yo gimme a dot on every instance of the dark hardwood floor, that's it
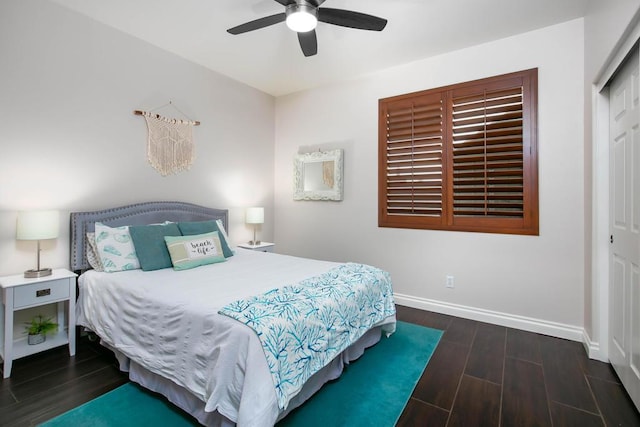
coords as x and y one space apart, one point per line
488 375
479 375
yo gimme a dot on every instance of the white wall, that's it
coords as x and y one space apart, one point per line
536 277
69 139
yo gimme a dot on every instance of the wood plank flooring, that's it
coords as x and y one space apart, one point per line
487 375
479 375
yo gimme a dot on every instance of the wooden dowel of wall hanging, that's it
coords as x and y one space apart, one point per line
141 113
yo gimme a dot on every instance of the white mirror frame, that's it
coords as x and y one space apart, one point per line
300 160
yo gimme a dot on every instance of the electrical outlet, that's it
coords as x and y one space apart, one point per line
449 282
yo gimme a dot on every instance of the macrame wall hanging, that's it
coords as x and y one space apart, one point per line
170 147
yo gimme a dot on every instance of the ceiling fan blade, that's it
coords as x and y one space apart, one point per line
286 2
308 42
258 23
351 19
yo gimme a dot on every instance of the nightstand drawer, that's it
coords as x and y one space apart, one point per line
40 293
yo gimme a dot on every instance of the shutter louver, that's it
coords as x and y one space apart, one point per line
414 134
487 147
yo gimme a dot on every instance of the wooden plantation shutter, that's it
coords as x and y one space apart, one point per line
463 157
413 153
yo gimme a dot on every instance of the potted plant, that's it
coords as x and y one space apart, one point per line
38 329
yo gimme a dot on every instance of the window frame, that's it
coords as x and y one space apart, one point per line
528 224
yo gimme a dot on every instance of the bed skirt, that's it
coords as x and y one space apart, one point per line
183 399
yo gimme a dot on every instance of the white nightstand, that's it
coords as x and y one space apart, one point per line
260 247
19 293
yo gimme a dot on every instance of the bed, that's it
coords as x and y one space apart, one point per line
199 335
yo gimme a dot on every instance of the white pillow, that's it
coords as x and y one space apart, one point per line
224 233
115 248
92 253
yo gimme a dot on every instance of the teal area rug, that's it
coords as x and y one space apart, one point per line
127 406
372 390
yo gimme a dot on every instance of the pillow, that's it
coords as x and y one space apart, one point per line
150 246
222 231
115 248
195 250
201 227
92 253
224 237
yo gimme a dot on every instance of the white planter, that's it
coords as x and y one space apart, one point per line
36 339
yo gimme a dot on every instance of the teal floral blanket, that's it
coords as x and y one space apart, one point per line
302 327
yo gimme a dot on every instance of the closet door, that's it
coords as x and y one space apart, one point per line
624 281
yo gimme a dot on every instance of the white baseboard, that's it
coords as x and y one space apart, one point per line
560 330
594 350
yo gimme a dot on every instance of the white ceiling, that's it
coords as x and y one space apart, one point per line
270 59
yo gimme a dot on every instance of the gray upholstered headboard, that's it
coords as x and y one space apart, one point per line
138 214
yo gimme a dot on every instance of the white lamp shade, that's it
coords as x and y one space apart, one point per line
255 216
38 225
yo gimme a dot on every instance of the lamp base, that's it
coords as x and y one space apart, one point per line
31 274
254 242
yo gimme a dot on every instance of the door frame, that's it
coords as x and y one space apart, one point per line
598 343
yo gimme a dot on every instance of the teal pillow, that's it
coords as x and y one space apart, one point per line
201 227
151 248
195 250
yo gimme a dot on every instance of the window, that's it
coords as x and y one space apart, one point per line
461 157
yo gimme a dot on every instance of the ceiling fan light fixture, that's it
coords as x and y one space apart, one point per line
301 18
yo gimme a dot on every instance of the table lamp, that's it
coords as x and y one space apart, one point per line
254 216
37 225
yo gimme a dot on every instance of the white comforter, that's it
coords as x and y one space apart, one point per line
167 321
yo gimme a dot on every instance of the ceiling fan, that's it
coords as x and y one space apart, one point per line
302 16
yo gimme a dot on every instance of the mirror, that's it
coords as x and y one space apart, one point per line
318 176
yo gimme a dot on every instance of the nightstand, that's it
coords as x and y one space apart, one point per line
260 247
19 293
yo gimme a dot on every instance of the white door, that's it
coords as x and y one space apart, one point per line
624 281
